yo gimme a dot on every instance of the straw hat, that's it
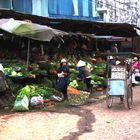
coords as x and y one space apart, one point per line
63 60
135 58
118 62
81 63
110 57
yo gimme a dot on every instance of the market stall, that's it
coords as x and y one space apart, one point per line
18 74
73 47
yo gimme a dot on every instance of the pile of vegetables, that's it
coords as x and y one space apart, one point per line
36 90
44 88
98 80
16 71
99 68
74 84
46 82
79 99
21 70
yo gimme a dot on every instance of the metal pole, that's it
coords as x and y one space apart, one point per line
42 49
28 53
96 44
12 4
115 12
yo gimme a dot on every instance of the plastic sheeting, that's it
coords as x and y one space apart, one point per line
24 6
79 9
29 30
40 7
117 87
5 4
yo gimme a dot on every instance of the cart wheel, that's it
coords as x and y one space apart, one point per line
121 98
129 97
109 101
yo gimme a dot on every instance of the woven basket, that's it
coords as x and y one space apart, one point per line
78 99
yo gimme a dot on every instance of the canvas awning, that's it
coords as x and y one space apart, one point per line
29 30
116 38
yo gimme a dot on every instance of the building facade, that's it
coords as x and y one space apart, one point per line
73 9
120 11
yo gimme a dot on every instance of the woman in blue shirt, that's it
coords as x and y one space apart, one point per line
63 73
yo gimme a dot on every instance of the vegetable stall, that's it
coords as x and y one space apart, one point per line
28 80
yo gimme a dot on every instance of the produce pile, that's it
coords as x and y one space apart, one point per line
30 91
48 72
36 90
20 70
78 99
98 76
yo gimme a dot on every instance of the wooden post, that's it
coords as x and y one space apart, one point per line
28 53
96 43
42 49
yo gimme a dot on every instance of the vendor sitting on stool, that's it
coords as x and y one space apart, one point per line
84 74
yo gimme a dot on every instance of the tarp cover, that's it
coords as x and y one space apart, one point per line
29 30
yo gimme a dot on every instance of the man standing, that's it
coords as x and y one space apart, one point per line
114 49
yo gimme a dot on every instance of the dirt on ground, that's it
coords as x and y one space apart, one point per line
88 122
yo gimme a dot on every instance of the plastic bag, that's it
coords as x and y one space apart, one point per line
55 98
60 74
36 100
21 105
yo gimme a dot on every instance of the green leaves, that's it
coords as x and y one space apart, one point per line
36 90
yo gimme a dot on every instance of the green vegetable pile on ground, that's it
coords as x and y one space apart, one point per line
36 90
78 99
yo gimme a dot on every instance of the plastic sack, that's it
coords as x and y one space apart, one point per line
55 98
36 100
72 90
21 105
